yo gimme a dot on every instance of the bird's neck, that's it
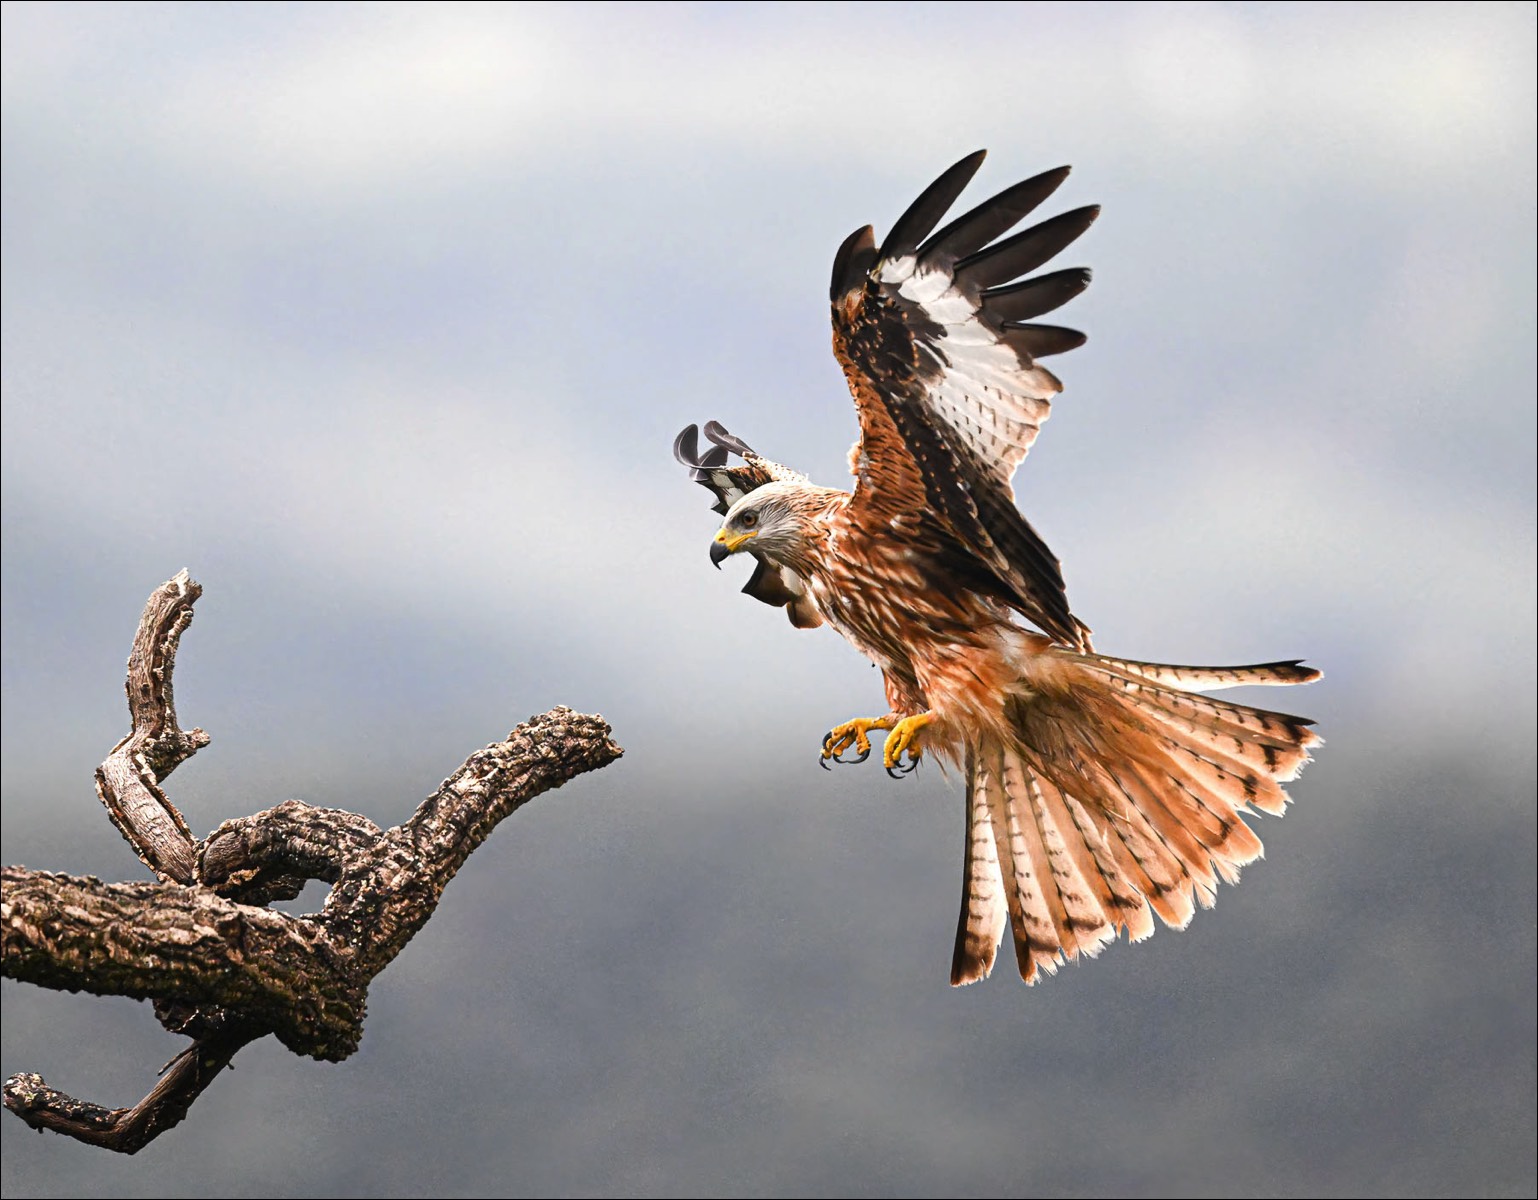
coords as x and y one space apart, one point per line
819 516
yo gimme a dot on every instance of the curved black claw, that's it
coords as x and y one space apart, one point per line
899 770
827 755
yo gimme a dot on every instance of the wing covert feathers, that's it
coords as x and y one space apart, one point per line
937 338
1114 795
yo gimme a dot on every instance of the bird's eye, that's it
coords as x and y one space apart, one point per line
748 520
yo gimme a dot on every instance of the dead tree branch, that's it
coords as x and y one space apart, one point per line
220 966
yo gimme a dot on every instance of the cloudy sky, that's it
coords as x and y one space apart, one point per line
381 320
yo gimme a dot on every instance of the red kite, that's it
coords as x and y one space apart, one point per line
1099 790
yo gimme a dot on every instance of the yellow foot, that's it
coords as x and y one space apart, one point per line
905 738
854 733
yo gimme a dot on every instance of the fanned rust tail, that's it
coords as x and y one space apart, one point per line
1114 793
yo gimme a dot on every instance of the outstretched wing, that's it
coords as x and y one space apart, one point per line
936 336
775 586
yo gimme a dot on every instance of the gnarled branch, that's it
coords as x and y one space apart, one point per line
128 782
220 966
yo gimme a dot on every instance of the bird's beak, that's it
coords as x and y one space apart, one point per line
725 544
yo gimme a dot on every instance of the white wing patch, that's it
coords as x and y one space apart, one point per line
896 270
726 486
967 297
996 403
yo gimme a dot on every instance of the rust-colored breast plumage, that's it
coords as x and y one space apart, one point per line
889 588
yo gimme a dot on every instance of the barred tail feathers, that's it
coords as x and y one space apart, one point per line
1117 794
984 909
1276 674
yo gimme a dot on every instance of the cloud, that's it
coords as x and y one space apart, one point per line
382 319
350 100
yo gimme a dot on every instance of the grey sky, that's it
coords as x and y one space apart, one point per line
381 320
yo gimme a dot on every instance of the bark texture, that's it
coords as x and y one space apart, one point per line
218 964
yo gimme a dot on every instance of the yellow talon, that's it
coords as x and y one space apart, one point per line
905 736
854 733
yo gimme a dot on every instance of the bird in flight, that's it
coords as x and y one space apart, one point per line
1099 791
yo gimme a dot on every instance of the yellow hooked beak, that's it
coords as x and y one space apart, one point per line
727 543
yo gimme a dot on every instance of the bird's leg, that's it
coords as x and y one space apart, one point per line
854 733
904 737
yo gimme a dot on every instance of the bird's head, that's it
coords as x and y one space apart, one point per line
771 522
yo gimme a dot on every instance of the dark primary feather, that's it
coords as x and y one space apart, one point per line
970 232
1033 297
686 449
728 483
1040 341
853 261
1025 251
717 433
924 213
